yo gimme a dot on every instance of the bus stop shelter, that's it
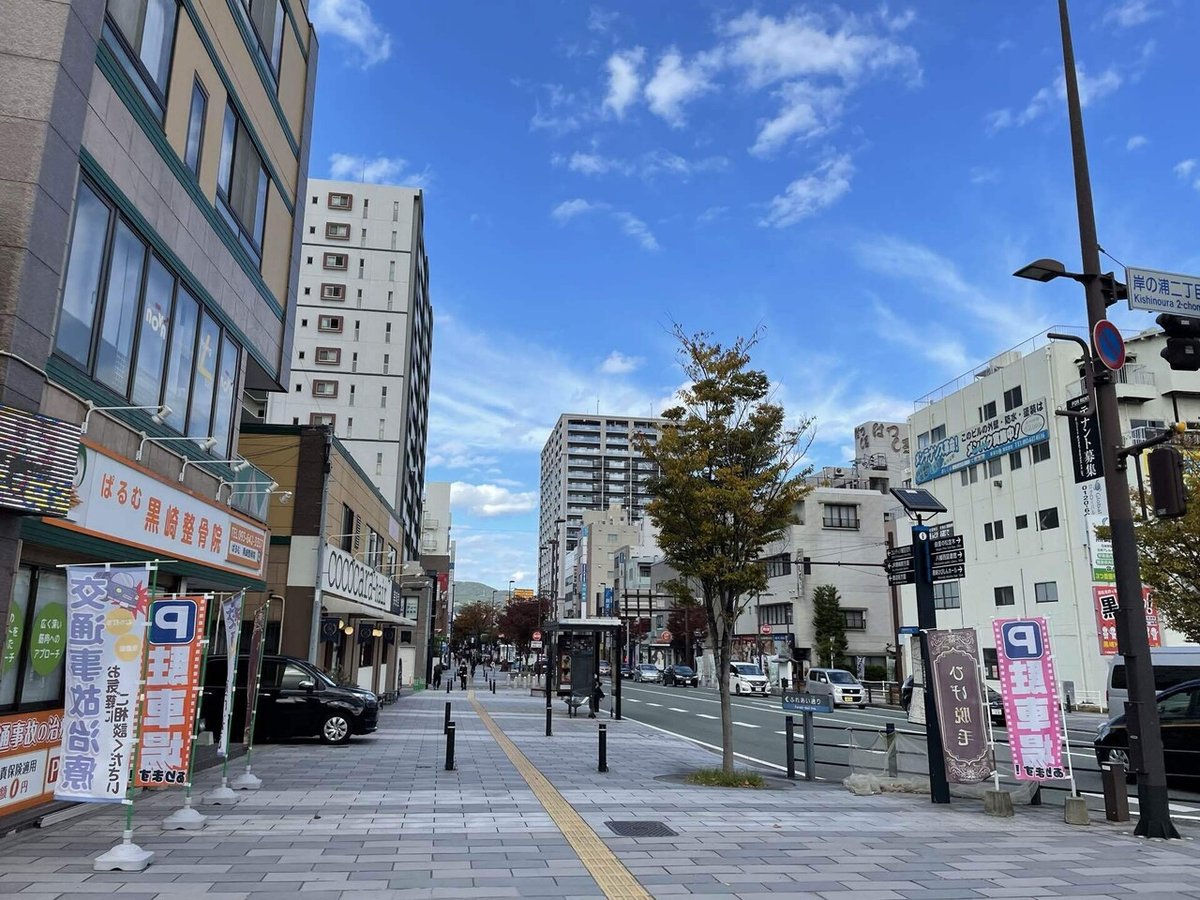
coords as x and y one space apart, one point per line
573 656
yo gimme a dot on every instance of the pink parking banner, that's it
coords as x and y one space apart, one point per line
1030 690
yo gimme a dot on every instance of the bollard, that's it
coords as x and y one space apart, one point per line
450 747
446 722
890 748
603 766
549 726
791 747
1116 792
810 753
449 681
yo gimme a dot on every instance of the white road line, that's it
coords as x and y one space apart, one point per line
676 709
784 733
632 700
648 703
705 716
747 725
753 759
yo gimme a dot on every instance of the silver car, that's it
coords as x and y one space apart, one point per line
647 672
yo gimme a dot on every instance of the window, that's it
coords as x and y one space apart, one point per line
366 204
337 261
1047 518
321 419
1040 452
341 201
324 388
383 396
1004 596
387 333
1045 591
294 678
995 467
329 356
391 270
300 354
969 475
351 395
114 349
378 463
1012 398
266 20
997 529
389 300
946 595
81 287
393 240
152 335
382 425
840 515
1014 460
987 411
922 440
329 323
856 619
27 680
195 129
337 231
1178 706
304 323
1022 522
644 570
357 328
937 434
353 362
242 184
348 527
359 299
386 357
395 210
336 292
991 664
227 389
778 565
362 267
362 241
204 381
987 532
349 426
140 33
179 366
775 614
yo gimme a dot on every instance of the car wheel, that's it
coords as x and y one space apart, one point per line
335 729
737 689
1117 755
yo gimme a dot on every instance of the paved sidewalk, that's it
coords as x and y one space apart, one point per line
380 818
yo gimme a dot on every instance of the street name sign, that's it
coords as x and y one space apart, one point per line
953 542
949 573
809 703
946 557
1163 291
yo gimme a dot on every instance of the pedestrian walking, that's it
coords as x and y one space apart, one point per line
474 665
597 696
437 674
462 673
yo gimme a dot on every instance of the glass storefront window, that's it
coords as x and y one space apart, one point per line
14 637
179 370
120 309
200 417
81 288
227 378
152 341
47 641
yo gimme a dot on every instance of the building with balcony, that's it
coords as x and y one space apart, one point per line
437 553
1022 486
364 331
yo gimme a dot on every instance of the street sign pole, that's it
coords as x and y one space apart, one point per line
939 787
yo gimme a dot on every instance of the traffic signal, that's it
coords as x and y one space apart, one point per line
1166 482
1183 341
807 562
1112 290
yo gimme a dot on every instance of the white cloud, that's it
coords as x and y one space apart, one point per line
676 83
806 112
624 80
556 111
1136 142
1184 169
617 363
630 224
983 175
647 166
809 195
351 20
1090 90
490 499
601 20
712 214
569 209
595 164
376 170
1128 13
636 229
925 340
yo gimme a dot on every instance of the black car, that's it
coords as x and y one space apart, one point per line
295 699
1179 724
906 689
995 706
684 675
626 672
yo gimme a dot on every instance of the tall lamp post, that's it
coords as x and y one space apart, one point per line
1141 711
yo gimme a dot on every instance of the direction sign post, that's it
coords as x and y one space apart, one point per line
806 705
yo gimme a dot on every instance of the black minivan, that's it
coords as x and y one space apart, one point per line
295 699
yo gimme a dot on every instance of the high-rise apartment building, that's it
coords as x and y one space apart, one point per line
364 327
588 463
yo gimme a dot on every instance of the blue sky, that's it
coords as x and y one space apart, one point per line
856 181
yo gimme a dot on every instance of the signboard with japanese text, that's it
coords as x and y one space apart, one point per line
1093 508
1025 425
146 511
1030 690
1163 291
1104 596
37 462
231 616
953 657
802 702
106 622
1085 442
172 688
30 756
254 669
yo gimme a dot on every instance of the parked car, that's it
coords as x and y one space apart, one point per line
906 692
626 672
605 668
748 678
1179 724
647 672
842 688
295 699
995 707
1172 666
684 675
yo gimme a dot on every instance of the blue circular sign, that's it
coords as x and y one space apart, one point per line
1109 344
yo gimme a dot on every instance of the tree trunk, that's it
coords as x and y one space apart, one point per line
724 645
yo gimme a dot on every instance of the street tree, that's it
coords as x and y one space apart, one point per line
519 621
477 620
829 626
728 483
685 618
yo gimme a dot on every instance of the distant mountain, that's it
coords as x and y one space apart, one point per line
468 592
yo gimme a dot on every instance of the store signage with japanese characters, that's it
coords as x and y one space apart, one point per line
1031 710
106 620
1028 424
954 656
172 686
30 753
119 501
231 616
1104 596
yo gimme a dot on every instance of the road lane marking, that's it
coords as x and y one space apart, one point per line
706 716
676 709
648 703
747 725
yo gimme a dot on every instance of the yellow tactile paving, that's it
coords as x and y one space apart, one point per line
610 873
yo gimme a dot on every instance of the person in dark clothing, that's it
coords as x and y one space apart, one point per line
597 696
437 674
462 674
474 665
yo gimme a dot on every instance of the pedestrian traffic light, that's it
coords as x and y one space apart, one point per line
1183 341
1166 482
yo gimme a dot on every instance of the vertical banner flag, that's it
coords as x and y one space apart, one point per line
231 615
106 618
1030 691
954 656
172 685
254 664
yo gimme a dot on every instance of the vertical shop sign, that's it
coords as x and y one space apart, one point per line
106 618
231 615
1031 709
255 667
1104 597
954 656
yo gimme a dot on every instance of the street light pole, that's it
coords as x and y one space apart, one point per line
1145 738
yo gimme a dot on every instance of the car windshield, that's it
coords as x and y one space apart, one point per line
331 678
648 668
683 670
747 669
839 677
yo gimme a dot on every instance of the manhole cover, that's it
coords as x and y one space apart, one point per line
641 829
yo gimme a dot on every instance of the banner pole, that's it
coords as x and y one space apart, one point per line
224 793
188 818
248 781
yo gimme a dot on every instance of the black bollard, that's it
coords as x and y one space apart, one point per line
603 766
446 723
790 724
449 681
549 726
450 747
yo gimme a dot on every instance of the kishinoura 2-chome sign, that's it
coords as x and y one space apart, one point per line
1017 428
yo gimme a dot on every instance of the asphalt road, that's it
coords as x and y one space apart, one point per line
759 736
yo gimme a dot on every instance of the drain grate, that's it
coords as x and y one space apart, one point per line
642 829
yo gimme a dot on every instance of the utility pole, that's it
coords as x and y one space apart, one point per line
1141 711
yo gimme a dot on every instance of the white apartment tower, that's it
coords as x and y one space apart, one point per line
589 462
363 332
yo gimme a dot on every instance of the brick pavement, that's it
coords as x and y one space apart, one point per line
380 818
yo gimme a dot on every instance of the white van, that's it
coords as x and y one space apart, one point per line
1172 666
748 678
842 688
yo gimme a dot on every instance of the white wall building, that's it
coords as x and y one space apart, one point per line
990 447
363 333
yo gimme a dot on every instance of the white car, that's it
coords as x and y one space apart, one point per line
748 678
842 688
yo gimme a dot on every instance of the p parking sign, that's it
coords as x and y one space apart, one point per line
1022 639
172 622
